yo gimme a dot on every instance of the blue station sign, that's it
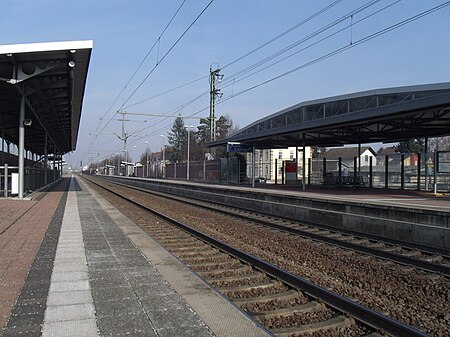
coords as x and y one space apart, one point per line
239 147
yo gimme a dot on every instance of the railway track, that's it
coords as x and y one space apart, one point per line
435 262
287 305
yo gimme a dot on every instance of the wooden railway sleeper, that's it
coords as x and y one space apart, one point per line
287 295
238 277
332 323
262 285
210 251
225 264
209 274
219 257
288 311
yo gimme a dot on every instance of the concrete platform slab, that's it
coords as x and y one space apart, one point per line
172 287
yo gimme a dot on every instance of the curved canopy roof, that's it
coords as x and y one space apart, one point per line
382 115
52 77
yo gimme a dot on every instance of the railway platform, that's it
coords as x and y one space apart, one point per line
72 265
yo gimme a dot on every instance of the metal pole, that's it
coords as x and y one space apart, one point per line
426 163
253 166
188 141
296 163
204 170
45 159
359 160
435 172
163 166
304 165
54 166
21 146
213 92
6 180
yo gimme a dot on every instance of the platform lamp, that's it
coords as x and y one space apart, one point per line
163 163
118 163
146 152
126 162
188 127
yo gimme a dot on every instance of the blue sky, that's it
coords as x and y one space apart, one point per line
123 32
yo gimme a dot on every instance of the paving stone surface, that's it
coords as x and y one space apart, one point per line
131 298
62 316
34 236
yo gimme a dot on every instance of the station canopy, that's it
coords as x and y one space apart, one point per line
52 79
382 115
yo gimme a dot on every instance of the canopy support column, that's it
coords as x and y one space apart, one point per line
304 164
253 166
21 146
45 159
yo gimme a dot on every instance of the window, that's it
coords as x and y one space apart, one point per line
291 155
367 158
280 154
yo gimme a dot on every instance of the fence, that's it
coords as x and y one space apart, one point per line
399 171
34 178
206 171
410 171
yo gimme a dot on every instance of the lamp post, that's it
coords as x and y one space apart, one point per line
188 127
146 152
163 163
126 162
118 164
135 168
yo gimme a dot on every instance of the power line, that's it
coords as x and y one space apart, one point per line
301 23
166 92
254 66
310 45
167 53
303 40
158 63
137 69
316 14
346 47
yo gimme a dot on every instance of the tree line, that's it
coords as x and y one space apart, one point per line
199 136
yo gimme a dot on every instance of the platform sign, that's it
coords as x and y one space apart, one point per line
239 147
443 161
290 169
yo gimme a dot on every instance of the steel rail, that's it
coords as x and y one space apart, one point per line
429 250
358 311
406 260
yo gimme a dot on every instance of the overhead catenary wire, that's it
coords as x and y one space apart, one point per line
303 40
139 66
166 53
346 47
157 64
352 43
314 15
349 26
298 42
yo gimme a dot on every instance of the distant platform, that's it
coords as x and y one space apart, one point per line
413 218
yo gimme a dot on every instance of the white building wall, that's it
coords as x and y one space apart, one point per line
265 162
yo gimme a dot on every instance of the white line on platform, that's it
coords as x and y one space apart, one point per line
70 309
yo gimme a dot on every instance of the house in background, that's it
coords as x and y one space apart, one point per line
394 157
347 155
